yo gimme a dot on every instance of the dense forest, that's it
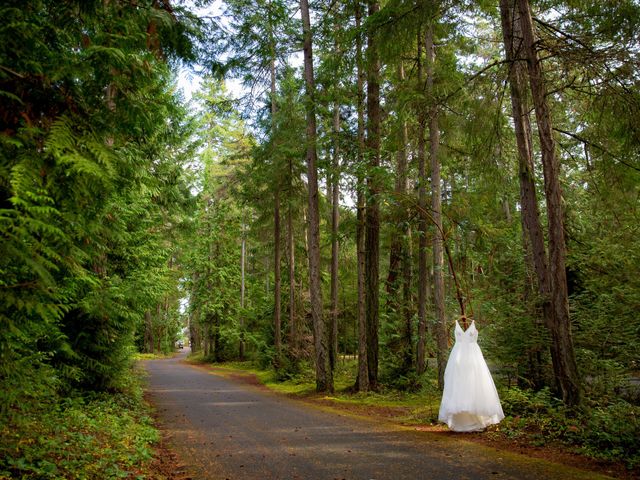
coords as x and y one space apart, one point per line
387 168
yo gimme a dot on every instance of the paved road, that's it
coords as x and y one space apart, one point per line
223 429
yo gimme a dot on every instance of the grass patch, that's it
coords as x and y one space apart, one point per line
417 407
152 356
106 435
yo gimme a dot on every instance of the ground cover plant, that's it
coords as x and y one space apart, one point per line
97 435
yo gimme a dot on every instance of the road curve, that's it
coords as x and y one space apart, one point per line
222 429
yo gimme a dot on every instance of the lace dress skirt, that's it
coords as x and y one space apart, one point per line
470 400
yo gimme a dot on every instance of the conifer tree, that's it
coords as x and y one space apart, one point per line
324 375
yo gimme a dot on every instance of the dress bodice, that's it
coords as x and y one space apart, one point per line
470 335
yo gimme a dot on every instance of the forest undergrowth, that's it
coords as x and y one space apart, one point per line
79 435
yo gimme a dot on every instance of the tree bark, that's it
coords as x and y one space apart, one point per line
372 230
194 319
406 261
436 212
399 220
335 223
407 301
277 282
324 378
148 332
533 237
215 335
563 357
400 190
362 382
277 252
207 337
194 332
243 259
422 227
294 328
399 275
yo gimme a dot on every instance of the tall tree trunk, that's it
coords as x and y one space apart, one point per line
362 382
294 327
436 212
148 332
277 282
407 301
217 349
406 273
422 226
207 327
399 263
533 237
194 332
335 222
243 258
194 320
563 357
277 253
324 376
207 338
400 189
372 230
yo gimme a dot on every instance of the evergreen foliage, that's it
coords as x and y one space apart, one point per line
93 190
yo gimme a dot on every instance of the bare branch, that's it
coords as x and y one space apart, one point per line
595 145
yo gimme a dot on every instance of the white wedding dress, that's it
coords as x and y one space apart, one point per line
470 400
